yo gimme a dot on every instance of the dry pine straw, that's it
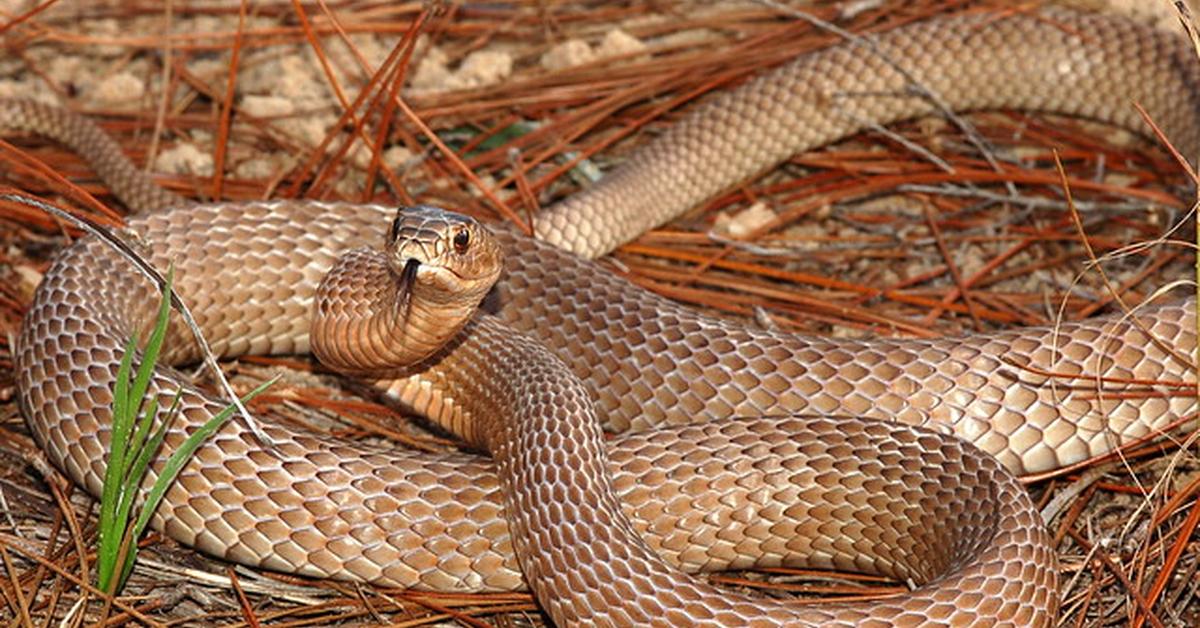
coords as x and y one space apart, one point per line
854 252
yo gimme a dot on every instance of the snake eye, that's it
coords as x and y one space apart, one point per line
462 240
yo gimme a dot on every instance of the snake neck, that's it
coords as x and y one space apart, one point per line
369 322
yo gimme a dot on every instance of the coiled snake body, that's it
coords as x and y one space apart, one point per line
826 492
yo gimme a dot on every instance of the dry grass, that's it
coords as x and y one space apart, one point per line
869 239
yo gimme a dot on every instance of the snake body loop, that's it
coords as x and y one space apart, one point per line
703 497
508 395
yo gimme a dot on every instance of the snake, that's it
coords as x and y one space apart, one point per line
734 447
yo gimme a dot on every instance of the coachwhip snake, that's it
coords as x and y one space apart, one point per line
726 494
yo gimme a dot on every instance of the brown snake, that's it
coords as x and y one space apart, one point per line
842 493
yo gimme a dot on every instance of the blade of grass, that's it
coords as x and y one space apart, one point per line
128 399
133 447
115 499
129 479
110 495
175 464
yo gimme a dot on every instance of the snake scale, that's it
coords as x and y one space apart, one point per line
813 481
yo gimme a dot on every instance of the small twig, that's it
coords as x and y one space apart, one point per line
1031 202
919 89
167 57
221 144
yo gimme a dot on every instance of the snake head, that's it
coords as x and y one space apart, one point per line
379 312
442 257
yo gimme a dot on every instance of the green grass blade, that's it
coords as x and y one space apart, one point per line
154 345
174 465
132 479
134 443
137 471
110 495
142 462
129 396
138 441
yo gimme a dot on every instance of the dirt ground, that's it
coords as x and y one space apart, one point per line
504 108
